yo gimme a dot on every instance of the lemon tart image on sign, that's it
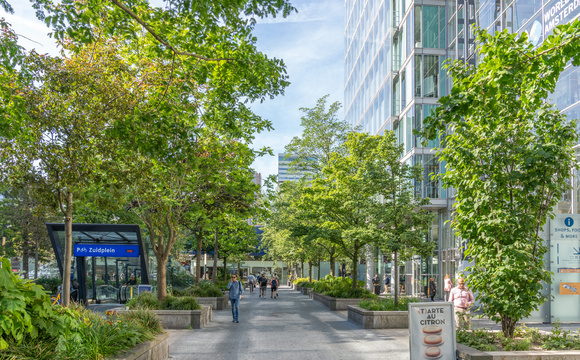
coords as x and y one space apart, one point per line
433 340
432 329
432 352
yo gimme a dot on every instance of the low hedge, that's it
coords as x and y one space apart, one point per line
341 287
149 301
387 304
203 289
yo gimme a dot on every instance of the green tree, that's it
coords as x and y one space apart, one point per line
398 214
323 133
508 154
340 199
51 131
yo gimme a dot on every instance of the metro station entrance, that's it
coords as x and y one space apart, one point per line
109 261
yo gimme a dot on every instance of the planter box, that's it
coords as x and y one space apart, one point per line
334 304
378 319
182 319
467 353
298 288
156 349
306 291
216 303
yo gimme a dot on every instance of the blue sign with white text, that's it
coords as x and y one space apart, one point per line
103 250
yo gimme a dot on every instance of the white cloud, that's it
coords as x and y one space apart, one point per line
309 11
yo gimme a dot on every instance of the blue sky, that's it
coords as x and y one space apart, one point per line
311 43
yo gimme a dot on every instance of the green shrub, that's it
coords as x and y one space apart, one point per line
388 304
50 285
516 344
26 311
308 284
299 280
205 289
180 303
149 301
145 300
479 339
341 287
561 339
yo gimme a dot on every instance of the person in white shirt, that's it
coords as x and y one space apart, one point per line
462 299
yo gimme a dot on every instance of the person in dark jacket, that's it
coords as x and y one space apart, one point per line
377 285
432 289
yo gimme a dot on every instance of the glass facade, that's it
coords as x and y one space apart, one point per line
394 76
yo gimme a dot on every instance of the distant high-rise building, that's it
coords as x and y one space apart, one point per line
258 179
283 166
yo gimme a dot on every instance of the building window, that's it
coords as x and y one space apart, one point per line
430 75
433 27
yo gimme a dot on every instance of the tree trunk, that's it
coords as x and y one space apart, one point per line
36 259
310 271
318 278
162 277
239 274
332 261
225 268
198 256
508 326
354 270
302 268
215 257
65 296
395 281
25 256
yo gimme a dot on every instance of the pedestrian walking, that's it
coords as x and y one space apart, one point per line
376 285
432 289
387 281
447 286
251 282
263 285
236 293
274 288
462 299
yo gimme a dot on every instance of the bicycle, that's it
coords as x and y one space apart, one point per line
55 300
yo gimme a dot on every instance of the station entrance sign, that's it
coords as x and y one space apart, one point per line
106 250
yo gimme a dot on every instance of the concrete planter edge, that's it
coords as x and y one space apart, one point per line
156 349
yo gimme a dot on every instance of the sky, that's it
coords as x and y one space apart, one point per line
311 43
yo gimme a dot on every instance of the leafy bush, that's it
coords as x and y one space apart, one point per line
561 339
203 289
510 344
308 284
149 301
50 285
180 303
388 304
341 287
101 337
30 328
145 300
297 281
479 339
26 311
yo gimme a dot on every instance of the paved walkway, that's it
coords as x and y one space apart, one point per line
290 327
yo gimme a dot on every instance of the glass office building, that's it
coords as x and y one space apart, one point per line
394 52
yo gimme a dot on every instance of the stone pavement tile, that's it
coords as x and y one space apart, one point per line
290 327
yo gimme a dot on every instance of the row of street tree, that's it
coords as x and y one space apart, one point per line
356 194
508 156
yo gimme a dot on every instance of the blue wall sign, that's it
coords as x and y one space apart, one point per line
569 221
102 250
